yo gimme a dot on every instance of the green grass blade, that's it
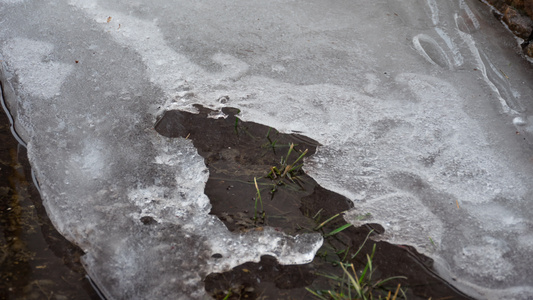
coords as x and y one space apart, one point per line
368 268
290 167
365 270
338 230
258 193
227 295
332 277
316 294
237 122
325 222
381 282
318 213
284 161
362 245
296 168
300 157
334 297
352 280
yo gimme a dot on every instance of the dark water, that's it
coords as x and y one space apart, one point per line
36 262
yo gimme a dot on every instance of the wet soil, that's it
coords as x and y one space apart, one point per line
238 152
36 262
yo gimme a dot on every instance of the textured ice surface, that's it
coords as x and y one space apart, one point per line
423 109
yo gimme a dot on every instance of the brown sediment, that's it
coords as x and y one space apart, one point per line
238 152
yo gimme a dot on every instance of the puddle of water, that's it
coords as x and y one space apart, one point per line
236 152
36 262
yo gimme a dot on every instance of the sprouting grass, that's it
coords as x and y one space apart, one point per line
286 169
271 143
353 287
334 232
325 222
284 175
236 126
351 284
227 295
258 198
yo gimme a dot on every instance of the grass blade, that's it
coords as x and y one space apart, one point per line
300 157
368 266
227 295
258 197
316 294
362 245
284 161
396 293
236 126
353 281
388 279
318 213
325 222
338 230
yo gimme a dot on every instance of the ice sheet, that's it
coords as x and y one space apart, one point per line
422 108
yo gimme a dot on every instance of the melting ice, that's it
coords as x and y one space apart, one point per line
422 108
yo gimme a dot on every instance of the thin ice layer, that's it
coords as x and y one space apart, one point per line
422 108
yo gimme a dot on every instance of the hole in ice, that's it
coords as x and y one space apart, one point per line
146 220
238 152
170 125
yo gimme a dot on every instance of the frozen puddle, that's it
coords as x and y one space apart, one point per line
422 108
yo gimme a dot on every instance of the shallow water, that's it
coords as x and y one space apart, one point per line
36 262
